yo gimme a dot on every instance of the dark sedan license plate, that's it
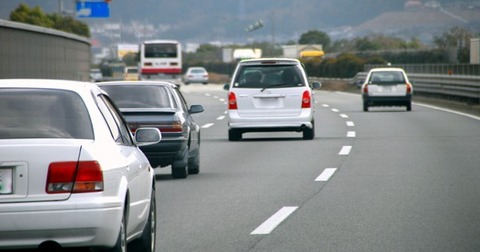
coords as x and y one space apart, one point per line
6 177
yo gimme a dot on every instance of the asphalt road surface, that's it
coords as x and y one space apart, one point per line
384 180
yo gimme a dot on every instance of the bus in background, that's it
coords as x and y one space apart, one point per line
161 59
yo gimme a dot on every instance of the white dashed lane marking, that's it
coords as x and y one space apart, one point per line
351 134
208 125
350 124
271 223
326 174
345 150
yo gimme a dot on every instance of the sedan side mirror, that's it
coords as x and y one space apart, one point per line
147 136
195 109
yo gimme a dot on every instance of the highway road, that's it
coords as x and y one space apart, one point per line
384 180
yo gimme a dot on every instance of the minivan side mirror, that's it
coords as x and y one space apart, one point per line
226 86
316 85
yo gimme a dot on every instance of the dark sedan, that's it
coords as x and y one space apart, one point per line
161 105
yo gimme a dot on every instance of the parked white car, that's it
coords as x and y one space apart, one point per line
270 95
387 87
71 174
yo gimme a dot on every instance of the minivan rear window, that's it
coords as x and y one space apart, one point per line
271 76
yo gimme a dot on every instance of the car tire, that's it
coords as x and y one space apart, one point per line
409 106
309 134
180 168
194 163
146 242
121 244
205 83
365 106
234 135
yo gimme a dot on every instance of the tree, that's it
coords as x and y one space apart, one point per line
315 37
458 38
36 16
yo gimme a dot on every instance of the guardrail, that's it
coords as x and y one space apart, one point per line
460 87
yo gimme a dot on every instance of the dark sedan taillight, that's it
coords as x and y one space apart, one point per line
74 177
174 126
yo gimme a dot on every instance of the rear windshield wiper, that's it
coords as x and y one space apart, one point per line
274 85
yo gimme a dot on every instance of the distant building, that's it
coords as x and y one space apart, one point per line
230 55
120 50
413 5
475 51
298 51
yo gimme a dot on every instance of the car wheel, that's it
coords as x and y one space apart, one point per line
121 244
309 134
409 106
205 83
180 167
365 106
234 135
194 163
146 242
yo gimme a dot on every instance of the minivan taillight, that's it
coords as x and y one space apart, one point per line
74 177
232 101
306 100
409 88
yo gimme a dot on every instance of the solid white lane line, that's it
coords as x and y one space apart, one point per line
208 125
326 174
269 225
345 150
343 116
220 118
350 124
351 134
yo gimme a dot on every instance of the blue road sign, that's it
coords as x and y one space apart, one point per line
93 10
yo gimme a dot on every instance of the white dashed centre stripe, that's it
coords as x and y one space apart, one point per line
208 125
269 225
326 174
343 116
345 150
220 118
335 110
350 124
351 134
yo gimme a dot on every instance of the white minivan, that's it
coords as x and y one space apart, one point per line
270 94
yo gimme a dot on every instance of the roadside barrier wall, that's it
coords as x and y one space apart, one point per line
28 51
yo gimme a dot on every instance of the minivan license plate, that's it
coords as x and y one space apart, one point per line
6 185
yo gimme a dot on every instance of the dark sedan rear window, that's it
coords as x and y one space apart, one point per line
140 96
34 113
